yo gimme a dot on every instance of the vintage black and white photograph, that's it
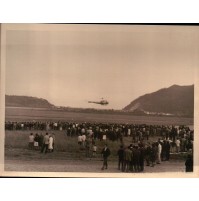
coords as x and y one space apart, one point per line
99 98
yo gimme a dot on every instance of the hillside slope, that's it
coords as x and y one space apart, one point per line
175 100
26 101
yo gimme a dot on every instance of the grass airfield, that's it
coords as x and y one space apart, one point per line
68 156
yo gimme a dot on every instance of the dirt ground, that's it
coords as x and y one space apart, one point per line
34 161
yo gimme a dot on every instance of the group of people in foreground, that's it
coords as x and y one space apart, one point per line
134 157
43 143
142 151
131 158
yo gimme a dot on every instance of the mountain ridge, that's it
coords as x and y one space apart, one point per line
26 101
172 101
175 100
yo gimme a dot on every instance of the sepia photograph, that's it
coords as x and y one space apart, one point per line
102 100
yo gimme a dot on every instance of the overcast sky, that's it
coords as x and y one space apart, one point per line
71 64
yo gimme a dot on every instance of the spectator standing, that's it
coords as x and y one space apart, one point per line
159 151
167 150
127 159
45 143
36 142
41 139
104 136
88 144
31 141
83 139
120 154
136 158
183 140
133 135
189 163
128 132
142 156
163 153
105 154
50 144
148 154
189 145
153 154
173 146
177 145
140 135
53 136
94 150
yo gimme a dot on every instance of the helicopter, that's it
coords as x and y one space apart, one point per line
102 102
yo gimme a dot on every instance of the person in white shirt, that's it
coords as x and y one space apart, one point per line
31 141
104 135
50 145
177 145
129 132
159 153
53 135
83 131
22 126
83 139
90 132
94 150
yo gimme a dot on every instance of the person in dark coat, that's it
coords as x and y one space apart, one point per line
142 156
36 142
189 163
148 154
127 159
153 154
45 143
105 154
120 154
163 153
136 159
41 139
167 150
189 145
88 144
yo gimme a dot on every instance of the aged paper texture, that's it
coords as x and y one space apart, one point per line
73 94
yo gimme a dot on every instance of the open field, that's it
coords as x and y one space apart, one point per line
17 159
63 143
52 163
68 156
28 114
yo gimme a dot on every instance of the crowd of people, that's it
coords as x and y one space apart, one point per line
112 131
133 157
44 143
142 150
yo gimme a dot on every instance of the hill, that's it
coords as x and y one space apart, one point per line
175 100
26 101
